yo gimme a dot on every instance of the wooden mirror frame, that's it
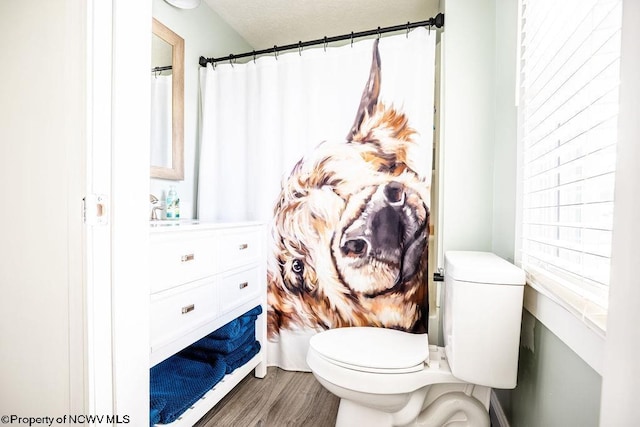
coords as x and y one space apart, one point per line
176 171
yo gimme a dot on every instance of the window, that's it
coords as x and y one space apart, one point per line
568 91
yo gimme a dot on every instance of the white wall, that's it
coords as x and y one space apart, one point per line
506 142
205 34
468 120
479 134
41 171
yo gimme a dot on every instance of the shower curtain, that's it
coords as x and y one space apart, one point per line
161 132
332 148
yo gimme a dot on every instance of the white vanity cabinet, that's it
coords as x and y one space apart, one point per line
202 276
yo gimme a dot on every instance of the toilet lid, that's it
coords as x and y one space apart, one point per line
373 349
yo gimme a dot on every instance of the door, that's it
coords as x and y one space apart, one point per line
42 174
75 123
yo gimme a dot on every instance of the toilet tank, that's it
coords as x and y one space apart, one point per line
482 314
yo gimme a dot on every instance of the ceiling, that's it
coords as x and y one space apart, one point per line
264 23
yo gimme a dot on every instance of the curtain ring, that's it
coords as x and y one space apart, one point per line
378 33
408 29
275 51
325 43
231 60
300 47
254 56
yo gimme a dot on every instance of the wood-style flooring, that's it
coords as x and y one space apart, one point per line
280 399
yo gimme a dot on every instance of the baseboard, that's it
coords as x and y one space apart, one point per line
498 418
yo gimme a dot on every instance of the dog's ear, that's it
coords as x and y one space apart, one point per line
280 310
274 305
370 94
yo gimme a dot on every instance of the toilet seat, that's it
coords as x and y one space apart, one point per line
370 349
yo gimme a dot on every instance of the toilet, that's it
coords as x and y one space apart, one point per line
386 377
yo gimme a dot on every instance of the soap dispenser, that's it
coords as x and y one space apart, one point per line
173 204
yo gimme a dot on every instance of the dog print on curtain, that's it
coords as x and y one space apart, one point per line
350 233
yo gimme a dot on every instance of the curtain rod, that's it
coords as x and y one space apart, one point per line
165 68
437 21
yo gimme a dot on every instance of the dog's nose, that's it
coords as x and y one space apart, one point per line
387 232
394 193
382 230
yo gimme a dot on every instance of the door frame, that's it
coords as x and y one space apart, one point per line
117 169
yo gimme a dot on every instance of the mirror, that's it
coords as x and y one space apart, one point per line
167 103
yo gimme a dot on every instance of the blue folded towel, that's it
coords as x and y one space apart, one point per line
180 382
208 347
237 326
241 356
155 407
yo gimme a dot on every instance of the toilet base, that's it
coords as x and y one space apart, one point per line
438 405
349 412
432 397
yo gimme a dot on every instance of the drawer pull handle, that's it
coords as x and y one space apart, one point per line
189 257
243 246
188 308
243 285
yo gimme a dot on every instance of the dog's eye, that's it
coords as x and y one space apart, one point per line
297 266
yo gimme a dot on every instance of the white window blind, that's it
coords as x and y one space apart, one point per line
569 73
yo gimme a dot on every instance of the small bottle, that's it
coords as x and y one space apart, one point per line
173 204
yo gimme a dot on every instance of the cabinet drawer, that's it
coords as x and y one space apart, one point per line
237 288
237 248
181 258
178 311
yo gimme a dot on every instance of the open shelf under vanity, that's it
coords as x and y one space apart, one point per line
204 275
